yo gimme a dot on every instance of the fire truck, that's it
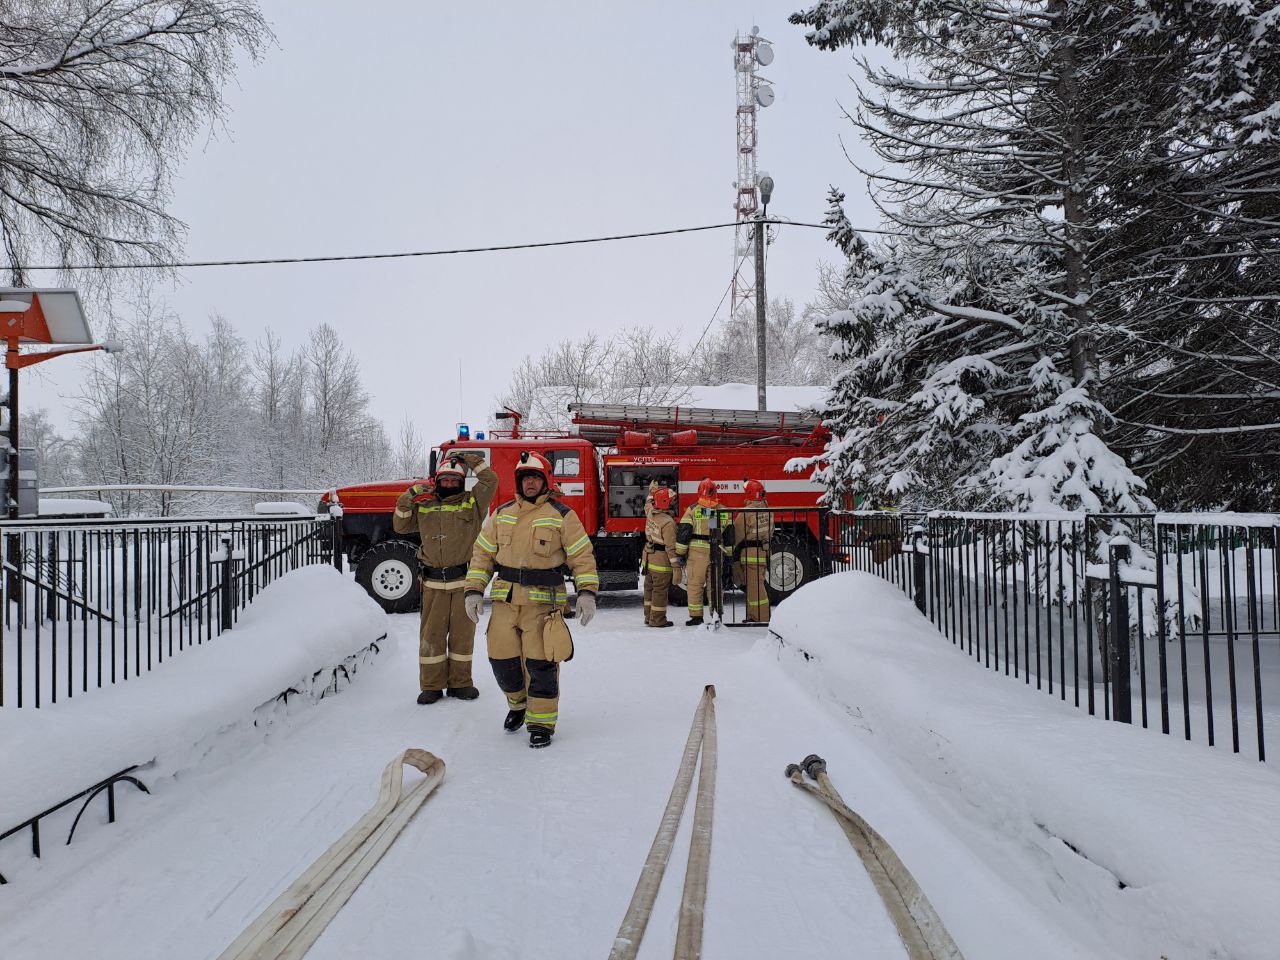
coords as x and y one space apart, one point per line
602 469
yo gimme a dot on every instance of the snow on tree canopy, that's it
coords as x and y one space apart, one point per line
1076 305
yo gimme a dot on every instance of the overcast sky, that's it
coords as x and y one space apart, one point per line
405 125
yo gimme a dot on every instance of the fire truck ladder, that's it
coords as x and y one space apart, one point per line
601 423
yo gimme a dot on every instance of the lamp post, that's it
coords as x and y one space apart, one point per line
766 191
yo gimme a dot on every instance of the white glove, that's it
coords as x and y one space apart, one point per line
585 608
473 603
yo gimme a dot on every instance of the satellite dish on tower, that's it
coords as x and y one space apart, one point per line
764 54
764 95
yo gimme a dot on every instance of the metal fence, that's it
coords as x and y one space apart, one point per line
1161 619
87 604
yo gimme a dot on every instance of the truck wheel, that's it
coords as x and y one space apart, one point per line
791 565
389 572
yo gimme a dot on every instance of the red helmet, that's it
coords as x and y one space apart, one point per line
707 489
531 462
754 490
662 498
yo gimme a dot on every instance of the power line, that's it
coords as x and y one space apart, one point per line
714 313
401 255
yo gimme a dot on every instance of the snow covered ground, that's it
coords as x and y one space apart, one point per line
520 852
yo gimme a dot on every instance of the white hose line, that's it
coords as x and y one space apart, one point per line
917 922
693 901
295 919
627 943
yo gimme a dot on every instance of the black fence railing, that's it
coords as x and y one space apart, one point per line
86 604
1157 619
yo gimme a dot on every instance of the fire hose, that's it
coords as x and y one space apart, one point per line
702 740
917 922
294 921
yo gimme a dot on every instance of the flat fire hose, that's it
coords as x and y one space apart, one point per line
294 921
918 924
702 740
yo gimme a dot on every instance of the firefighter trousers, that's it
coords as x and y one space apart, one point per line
657 583
530 681
697 571
446 637
754 564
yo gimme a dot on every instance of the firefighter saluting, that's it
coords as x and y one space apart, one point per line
751 535
525 542
446 519
659 552
693 545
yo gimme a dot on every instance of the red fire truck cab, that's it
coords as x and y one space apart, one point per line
603 470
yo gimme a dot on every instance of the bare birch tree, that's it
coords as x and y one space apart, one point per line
98 99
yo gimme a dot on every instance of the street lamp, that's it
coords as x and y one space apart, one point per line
766 192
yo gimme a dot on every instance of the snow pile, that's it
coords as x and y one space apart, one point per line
309 620
68 506
283 508
742 396
1164 848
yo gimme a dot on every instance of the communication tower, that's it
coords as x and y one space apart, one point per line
750 53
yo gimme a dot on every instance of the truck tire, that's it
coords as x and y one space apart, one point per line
389 573
792 564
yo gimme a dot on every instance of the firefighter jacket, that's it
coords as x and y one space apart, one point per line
525 544
751 529
447 528
694 530
659 533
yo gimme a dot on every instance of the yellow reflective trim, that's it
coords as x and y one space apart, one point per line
403 513
549 522
448 507
459 656
577 545
439 659
486 543
506 518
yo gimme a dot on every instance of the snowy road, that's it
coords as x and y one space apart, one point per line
522 853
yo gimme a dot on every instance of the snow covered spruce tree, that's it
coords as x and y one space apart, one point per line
990 342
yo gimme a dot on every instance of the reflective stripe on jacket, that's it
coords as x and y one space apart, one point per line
542 535
753 527
659 527
448 528
698 518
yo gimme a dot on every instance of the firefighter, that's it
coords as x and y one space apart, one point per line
693 546
659 551
446 519
525 542
751 535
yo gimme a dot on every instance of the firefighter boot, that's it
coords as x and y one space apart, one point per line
429 696
539 737
463 693
693 622
514 721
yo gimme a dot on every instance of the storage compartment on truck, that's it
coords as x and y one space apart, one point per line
628 485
